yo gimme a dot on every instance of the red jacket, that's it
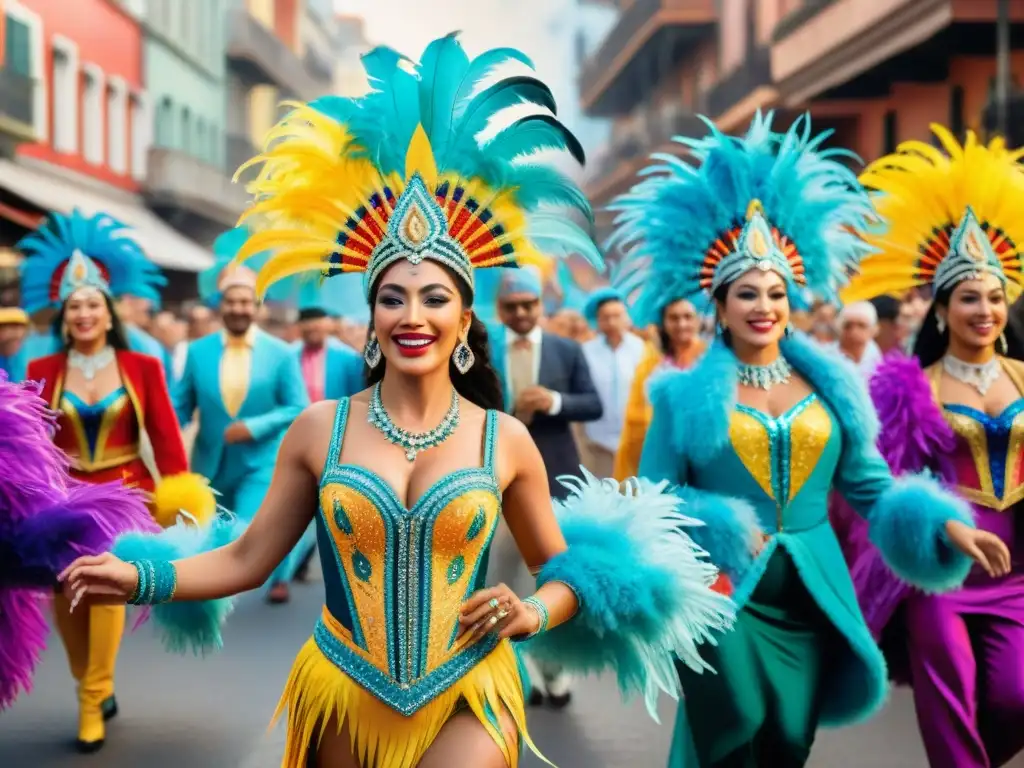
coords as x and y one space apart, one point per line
115 452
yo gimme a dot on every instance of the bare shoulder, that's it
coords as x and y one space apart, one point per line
512 432
515 447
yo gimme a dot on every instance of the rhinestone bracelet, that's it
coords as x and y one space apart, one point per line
542 610
157 583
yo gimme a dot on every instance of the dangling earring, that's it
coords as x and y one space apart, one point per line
940 323
788 332
463 357
371 352
1002 343
65 333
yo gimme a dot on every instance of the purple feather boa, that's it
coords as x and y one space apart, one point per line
914 437
47 519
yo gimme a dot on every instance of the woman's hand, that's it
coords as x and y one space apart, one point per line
99 579
497 609
986 549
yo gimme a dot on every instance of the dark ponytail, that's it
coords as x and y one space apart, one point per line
480 384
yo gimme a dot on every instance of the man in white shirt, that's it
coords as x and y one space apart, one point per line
858 326
612 357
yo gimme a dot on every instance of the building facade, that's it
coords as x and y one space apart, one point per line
91 123
16 82
264 67
876 73
350 44
185 68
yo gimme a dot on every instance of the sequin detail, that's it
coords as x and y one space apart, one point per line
361 566
992 441
781 453
456 569
479 521
405 573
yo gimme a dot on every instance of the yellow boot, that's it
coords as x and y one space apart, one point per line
96 692
74 631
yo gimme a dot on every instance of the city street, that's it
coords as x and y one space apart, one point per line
213 713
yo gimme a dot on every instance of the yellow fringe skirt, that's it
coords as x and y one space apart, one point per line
383 738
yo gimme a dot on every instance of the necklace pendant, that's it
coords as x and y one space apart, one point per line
411 454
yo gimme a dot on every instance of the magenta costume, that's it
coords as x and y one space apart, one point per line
962 651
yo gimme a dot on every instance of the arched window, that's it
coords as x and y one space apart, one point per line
186 130
164 128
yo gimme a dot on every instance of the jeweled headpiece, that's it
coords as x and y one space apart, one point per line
769 201
953 214
69 253
448 160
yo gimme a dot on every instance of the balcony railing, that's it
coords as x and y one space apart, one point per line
176 179
754 72
319 67
794 20
265 57
634 20
16 97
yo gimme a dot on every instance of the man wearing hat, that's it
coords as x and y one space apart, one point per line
548 387
13 328
247 388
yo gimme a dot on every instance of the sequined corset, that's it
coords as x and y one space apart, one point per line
987 457
396 577
91 428
781 455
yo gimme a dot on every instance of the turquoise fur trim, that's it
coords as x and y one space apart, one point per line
908 527
644 588
194 626
728 532
700 402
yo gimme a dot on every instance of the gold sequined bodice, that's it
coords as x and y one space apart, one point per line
395 577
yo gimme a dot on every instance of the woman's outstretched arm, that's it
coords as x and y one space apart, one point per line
243 564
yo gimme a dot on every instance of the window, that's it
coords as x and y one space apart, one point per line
18 47
65 95
165 123
92 114
890 133
117 125
186 130
140 136
216 143
200 148
956 111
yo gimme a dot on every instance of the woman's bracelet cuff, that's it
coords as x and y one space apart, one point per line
157 582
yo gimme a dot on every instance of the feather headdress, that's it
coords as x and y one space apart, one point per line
953 213
72 252
768 200
449 159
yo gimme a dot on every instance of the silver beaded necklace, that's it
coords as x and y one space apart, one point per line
412 442
766 376
90 365
981 376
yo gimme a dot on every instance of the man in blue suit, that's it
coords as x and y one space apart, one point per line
548 387
330 370
248 389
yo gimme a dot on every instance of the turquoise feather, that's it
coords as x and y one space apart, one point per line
184 626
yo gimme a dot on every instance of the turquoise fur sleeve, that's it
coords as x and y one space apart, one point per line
906 518
908 526
644 588
727 526
184 626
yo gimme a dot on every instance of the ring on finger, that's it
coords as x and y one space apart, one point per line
493 602
501 614
492 621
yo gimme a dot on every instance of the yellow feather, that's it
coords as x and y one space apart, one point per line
186 493
419 158
922 189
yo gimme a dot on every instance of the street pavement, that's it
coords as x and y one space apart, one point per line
213 713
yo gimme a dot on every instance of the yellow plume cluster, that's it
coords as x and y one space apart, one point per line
922 194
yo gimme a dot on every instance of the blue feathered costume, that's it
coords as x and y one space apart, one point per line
800 654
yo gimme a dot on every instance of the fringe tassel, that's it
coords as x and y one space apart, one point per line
383 738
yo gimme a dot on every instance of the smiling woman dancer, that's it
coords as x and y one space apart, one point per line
116 423
411 663
957 226
760 432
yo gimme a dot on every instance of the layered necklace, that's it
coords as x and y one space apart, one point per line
981 376
92 364
412 442
766 376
